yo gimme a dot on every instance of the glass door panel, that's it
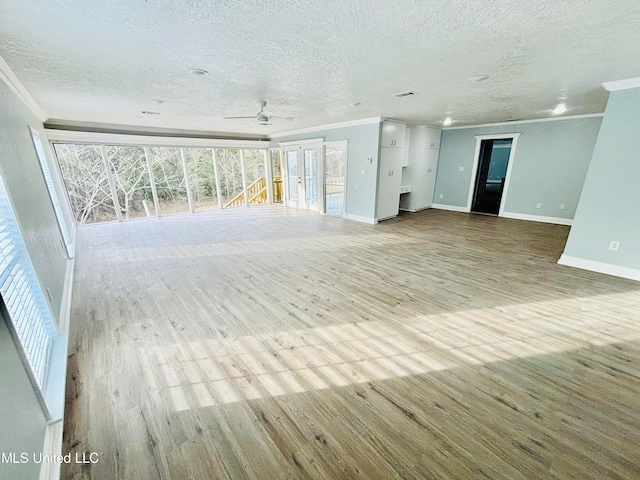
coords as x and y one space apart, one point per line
85 178
131 178
293 180
311 176
202 178
230 176
276 172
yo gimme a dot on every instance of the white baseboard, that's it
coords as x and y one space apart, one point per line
414 210
537 218
52 446
358 218
453 208
600 267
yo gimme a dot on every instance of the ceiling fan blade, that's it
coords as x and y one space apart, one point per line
233 118
281 118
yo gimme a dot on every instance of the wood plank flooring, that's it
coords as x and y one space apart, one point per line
271 343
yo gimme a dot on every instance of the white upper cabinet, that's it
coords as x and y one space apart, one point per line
425 137
393 134
407 141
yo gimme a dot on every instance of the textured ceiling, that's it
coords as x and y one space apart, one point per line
105 61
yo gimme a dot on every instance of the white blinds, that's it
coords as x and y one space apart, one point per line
22 293
64 229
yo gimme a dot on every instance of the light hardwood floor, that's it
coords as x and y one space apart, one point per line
270 343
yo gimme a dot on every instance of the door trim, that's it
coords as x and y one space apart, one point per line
476 162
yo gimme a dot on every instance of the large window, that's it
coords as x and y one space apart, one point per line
171 184
85 176
132 182
122 182
53 195
202 178
254 169
22 294
230 176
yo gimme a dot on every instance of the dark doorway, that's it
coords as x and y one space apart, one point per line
492 171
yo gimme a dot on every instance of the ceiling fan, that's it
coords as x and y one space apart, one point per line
262 116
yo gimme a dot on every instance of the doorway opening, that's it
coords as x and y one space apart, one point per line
494 157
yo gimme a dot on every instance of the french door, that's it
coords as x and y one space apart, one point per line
303 164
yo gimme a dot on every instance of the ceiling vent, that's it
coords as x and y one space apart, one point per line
405 94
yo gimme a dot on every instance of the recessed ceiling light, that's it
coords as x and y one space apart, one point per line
159 102
447 121
478 78
147 112
198 71
560 109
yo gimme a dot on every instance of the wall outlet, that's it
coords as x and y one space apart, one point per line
356 186
561 206
614 245
369 160
538 205
461 169
442 195
364 172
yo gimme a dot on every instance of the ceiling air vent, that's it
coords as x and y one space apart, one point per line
405 94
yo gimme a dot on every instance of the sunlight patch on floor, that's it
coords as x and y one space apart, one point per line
216 372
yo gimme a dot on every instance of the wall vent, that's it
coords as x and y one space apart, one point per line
405 94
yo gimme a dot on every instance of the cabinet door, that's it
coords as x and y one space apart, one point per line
433 138
405 149
431 155
425 137
392 134
389 182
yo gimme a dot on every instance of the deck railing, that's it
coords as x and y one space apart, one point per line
277 189
256 193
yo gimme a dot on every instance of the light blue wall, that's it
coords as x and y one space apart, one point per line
22 420
25 183
361 176
609 207
550 165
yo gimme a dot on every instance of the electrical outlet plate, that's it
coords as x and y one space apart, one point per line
538 205
614 245
461 169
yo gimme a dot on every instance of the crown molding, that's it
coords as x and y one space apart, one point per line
517 122
622 84
330 126
12 81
